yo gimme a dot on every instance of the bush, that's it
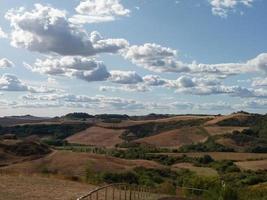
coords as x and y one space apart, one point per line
209 146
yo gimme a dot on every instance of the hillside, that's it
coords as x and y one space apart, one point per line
16 151
175 138
97 136
73 164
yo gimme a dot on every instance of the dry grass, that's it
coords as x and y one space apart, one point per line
97 136
221 130
127 123
252 165
228 142
239 116
73 164
17 187
201 171
223 155
175 138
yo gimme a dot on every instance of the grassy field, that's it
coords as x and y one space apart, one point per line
201 171
176 138
74 164
17 187
252 165
97 136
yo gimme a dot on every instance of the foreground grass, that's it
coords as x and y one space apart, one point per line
16 187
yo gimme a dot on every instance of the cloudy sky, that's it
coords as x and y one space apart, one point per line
132 56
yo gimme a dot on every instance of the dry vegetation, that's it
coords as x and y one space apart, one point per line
221 130
175 138
238 116
222 155
201 171
252 165
74 164
97 136
17 187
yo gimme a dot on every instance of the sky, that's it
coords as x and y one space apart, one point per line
132 56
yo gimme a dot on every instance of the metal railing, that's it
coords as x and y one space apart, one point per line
120 191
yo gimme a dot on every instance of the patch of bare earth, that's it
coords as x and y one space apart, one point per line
97 136
252 165
201 171
175 138
17 187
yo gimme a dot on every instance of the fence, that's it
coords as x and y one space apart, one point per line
132 192
120 192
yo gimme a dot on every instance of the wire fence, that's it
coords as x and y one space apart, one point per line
121 192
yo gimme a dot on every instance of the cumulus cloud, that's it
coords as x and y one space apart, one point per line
163 59
96 11
154 80
87 69
260 62
125 77
2 33
48 30
155 58
11 83
222 7
5 63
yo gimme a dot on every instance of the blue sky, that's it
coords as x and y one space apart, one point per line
133 56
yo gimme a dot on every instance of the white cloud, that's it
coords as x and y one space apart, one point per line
154 80
96 11
48 30
2 33
125 77
87 69
259 82
10 82
163 59
5 63
155 58
222 7
97 102
260 62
